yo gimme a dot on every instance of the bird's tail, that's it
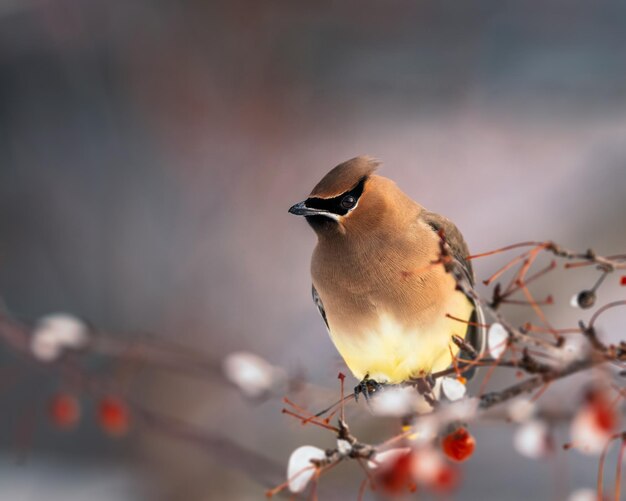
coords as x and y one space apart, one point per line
476 337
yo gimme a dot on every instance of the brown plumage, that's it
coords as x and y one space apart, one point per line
344 176
383 301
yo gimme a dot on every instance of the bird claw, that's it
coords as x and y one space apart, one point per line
368 387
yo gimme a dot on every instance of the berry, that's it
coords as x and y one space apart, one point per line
64 410
459 445
113 416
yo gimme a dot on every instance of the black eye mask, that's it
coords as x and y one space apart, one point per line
334 204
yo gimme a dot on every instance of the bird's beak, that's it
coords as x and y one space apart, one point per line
300 209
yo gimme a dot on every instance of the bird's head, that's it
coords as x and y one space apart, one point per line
348 200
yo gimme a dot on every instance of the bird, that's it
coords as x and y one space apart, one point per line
389 304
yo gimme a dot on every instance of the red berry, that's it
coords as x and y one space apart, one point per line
623 280
446 480
64 410
113 416
603 411
459 445
397 476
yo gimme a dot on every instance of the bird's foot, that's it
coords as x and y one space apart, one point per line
368 387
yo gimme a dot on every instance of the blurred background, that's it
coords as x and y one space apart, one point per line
149 151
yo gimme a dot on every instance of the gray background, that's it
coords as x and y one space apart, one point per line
149 152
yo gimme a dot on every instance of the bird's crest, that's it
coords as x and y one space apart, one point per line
344 177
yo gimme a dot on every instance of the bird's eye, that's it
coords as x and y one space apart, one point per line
348 202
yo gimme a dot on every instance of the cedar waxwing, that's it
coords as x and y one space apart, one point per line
383 300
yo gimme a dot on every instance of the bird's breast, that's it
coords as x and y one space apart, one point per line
388 349
386 307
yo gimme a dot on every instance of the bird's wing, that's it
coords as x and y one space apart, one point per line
320 306
454 239
475 335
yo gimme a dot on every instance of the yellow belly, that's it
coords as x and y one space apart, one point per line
391 352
